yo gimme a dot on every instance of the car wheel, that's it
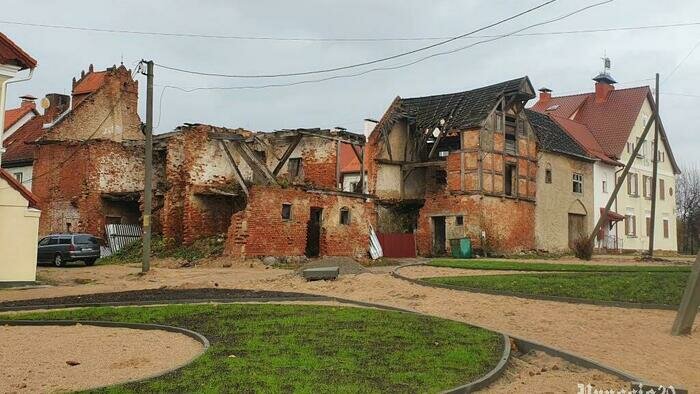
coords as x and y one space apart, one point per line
58 261
90 262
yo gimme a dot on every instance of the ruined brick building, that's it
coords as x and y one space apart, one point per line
272 194
88 162
457 165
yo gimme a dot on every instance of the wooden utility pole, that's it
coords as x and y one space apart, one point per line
689 303
148 181
657 126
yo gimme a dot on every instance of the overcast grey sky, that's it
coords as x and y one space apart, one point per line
564 63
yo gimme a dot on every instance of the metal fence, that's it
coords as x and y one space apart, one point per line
121 235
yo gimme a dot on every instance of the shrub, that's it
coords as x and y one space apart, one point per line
582 248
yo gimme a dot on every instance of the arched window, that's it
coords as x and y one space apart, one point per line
345 216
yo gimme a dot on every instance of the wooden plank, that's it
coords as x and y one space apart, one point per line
287 154
439 163
433 150
257 164
236 172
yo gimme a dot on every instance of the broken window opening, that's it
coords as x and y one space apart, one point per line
510 131
510 183
498 123
548 173
577 181
286 211
459 220
294 167
441 177
345 216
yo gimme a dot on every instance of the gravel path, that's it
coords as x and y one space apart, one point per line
38 358
634 340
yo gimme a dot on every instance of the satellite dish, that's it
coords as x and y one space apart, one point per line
45 103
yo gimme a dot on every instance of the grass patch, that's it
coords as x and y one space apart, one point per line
529 266
164 248
304 348
640 287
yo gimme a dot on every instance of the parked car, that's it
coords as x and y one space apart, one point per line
60 249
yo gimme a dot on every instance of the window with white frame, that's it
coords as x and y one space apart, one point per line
19 176
577 183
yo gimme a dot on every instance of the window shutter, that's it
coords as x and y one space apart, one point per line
629 185
644 185
662 189
634 225
627 224
665 228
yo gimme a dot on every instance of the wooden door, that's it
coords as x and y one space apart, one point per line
577 227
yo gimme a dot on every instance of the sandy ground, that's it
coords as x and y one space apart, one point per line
35 359
539 372
634 340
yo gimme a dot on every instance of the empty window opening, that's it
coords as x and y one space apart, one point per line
294 167
459 220
18 176
286 211
577 181
510 182
605 186
548 174
441 177
344 216
511 127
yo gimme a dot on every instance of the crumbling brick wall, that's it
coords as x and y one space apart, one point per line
508 223
259 229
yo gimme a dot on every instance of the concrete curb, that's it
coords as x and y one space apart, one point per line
523 344
571 300
138 326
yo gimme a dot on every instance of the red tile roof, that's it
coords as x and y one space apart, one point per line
15 114
90 82
19 146
14 183
609 121
10 53
348 160
584 138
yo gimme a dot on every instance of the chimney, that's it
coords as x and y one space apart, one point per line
604 82
58 104
28 100
545 94
369 126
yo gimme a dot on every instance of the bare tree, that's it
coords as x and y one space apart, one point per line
688 205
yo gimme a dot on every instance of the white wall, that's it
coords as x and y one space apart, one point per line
19 228
641 206
26 171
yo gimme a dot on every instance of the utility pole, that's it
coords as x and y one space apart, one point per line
690 302
148 181
657 126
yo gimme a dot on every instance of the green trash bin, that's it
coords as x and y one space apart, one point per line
461 248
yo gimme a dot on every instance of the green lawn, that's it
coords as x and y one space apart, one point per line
639 287
303 348
529 266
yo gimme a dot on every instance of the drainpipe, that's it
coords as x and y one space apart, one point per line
3 89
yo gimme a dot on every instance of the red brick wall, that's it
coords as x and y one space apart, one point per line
509 223
259 230
320 164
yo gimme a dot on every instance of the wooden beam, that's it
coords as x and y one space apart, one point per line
689 303
433 150
348 140
245 150
287 154
386 142
236 172
438 163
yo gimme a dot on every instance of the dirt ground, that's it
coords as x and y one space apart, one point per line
38 358
634 340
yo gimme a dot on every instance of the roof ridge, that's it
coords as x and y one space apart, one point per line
466 91
590 93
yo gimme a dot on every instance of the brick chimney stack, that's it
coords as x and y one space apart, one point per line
604 82
58 104
28 100
545 95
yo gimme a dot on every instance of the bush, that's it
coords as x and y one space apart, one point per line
582 248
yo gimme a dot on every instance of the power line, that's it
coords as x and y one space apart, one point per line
361 64
387 68
330 39
681 62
